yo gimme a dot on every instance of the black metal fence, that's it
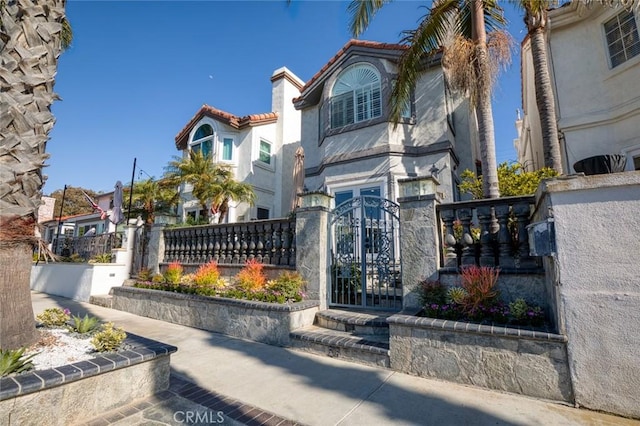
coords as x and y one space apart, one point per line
88 246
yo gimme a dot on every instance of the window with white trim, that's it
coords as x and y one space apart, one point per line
356 96
227 149
265 152
203 140
262 213
622 38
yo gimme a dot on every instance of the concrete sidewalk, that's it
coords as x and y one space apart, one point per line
314 390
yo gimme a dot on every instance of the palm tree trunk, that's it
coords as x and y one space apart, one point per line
29 49
545 101
484 111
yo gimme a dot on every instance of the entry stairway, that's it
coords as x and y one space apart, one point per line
356 336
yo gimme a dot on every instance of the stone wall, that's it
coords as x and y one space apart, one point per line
506 359
258 321
597 284
77 392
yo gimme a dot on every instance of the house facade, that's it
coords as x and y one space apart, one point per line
594 63
260 149
351 146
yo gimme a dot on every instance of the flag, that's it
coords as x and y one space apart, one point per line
103 214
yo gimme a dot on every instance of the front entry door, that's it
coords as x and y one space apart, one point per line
365 267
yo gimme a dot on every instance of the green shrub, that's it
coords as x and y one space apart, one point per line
144 274
54 317
109 338
157 278
101 258
431 291
288 284
14 361
84 325
457 295
173 274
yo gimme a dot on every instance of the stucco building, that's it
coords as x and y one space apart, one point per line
352 148
594 63
260 149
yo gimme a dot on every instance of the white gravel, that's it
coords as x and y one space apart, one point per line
66 349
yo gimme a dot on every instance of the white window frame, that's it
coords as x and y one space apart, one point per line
271 158
210 138
224 137
263 208
625 49
356 96
631 152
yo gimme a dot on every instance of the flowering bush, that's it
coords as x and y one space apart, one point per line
479 282
477 300
173 274
208 276
251 277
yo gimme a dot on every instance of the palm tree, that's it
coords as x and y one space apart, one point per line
211 182
535 17
459 29
151 196
32 36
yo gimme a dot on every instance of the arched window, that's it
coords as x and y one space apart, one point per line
203 140
355 96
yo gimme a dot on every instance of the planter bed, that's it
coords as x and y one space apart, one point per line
263 322
526 362
76 392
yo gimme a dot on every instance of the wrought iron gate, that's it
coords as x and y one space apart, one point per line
365 252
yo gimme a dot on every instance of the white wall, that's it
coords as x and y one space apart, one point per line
598 285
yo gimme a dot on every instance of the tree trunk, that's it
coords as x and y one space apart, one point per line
545 101
17 324
29 49
484 112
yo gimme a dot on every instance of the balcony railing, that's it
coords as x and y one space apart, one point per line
271 242
88 246
488 232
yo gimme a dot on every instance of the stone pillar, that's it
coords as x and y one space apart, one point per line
419 243
155 248
124 254
312 244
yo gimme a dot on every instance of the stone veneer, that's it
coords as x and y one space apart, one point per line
76 392
258 321
515 360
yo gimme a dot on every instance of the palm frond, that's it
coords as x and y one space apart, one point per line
361 14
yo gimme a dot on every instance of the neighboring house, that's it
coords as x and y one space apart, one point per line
80 224
260 148
594 62
351 147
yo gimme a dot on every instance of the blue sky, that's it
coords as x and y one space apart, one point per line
136 72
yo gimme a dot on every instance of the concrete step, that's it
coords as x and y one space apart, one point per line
368 349
104 300
357 322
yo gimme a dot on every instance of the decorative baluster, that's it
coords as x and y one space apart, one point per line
522 212
236 244
468 249
244 246
180 246
268 244
292 254
505 259
216 244
450 259
224 239
286 243
260 243
277 244
208 245
198 254
487 257
252 240
167 246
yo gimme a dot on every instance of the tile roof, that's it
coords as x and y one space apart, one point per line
224 117
351 43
